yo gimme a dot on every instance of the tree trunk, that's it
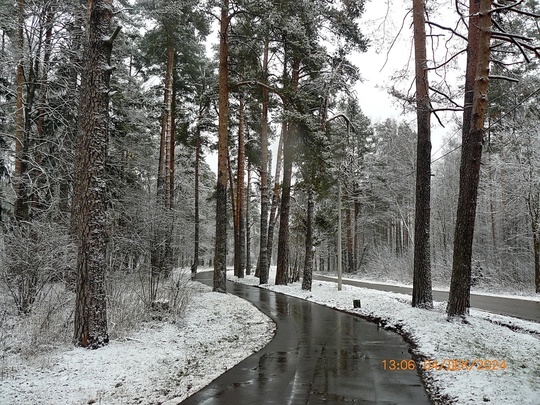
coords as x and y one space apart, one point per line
89 197
263 245
288 157
349 235
307 278
166 149
20 207
275 204
37 201
240 234
422 290
161 256
283 235
533 205
536 247
197 219
248 219
422 296
357 262
220 252
476 86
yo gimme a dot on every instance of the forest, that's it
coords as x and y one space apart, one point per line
108 111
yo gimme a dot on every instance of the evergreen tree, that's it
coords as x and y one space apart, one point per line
89 203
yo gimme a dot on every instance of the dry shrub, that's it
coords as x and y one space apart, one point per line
382 264
33 255
130 303
48 326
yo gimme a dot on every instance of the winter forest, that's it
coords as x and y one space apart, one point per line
109 112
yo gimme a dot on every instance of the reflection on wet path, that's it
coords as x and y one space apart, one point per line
318 356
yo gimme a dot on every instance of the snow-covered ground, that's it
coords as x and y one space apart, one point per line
161 363
514 349
164 362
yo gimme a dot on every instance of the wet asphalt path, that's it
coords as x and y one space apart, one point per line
524 309
318 355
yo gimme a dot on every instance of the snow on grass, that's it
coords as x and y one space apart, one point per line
165 363
434 338
530 296
161 363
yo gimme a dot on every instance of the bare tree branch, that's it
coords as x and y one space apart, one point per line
447 97
498 77
442 27
448 60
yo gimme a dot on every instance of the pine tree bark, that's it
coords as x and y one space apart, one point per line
20 207
263 238
288 157
476 86
357 262
240 234
196 205
349 236
307 278
283 234
274 213
161 254
89 197
220 252
533 205
248 219
422 290
166 149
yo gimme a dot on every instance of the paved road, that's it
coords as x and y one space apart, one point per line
524 309
318 356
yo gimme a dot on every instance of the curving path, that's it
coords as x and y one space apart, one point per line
318 356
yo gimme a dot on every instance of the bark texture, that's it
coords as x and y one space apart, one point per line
476 86
220 252
274 212
307 278
89 206
196 205
422 295
263 238
288 158
161 261
20 207
240 228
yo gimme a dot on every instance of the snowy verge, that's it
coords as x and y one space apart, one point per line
480 341
160 363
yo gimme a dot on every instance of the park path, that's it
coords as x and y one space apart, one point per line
318 356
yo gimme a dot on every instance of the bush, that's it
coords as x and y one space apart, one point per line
33 255
130 302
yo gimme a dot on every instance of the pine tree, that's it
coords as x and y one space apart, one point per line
89 205
421 294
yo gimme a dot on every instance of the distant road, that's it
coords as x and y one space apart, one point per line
519 308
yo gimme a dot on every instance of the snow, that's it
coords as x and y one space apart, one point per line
434 338
393 283
160 363
164 362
